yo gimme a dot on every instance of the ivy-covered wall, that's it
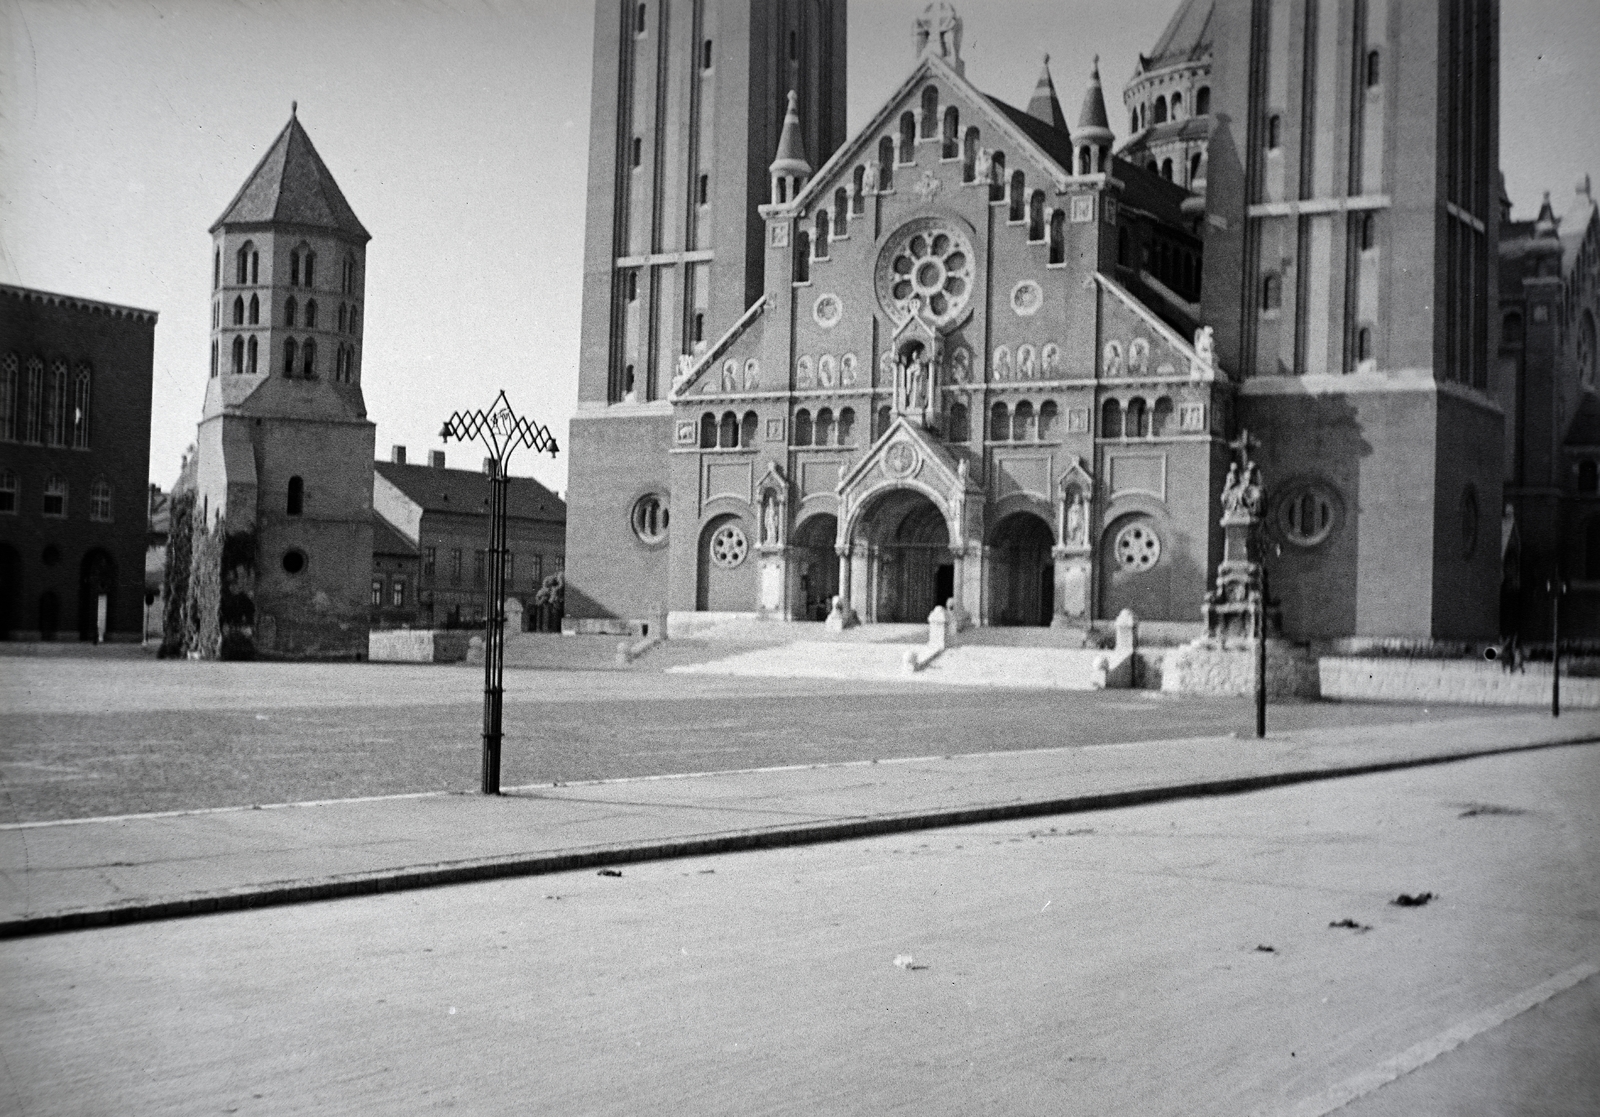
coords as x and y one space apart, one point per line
175 617
221 584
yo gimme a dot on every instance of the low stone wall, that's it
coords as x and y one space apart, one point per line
417 645
1200 668
1461 682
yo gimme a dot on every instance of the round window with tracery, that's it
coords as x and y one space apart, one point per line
1306 515
650 519
729 546
930 261
1138 547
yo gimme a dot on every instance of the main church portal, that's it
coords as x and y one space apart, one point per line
910 566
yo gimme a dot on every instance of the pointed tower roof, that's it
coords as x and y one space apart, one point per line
1043 105
291 185
1092 121
1545 224
791 159
1187 37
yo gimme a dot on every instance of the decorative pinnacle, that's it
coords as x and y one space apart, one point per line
294 108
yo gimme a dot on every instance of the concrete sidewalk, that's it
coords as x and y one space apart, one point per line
65 875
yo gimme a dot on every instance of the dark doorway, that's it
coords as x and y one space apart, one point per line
912 544
1022 571
944 583
97 578
819 567
10 590
49 615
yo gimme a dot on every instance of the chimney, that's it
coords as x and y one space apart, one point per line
398 455
436 459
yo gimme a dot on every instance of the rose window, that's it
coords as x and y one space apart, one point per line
1137 547
930 262
729 546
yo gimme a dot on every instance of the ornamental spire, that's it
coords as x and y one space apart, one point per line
1044 105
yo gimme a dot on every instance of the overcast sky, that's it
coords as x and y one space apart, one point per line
457 130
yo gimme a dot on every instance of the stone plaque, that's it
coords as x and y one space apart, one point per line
728 479
1077 420
818 477
685 432
1082 208
1023 474
1139 473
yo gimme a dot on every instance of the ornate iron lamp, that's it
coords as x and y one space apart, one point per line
501 431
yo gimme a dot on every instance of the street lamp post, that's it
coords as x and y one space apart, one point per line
501 431
1556 588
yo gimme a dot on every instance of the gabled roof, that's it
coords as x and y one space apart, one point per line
1168 334
1187 37
387 540
292 186
694 366
466 491
1044 105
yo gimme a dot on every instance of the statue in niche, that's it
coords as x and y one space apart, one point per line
1138 356
752 375
1241 492
869 181
1204 346
1111 361
769 518
1077 520
1002 363
847 370
827 370
888 369
804 374
1026 368
1050 361
730 375
685 367
916 375
963 474
961 364
981 164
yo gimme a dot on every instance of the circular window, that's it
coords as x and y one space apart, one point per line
729 546
1306 515
650 518
1138 547
294 561
1469 522
929 263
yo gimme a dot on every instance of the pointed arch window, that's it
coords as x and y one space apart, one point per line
290 352
908 138
885 164
997 177
10 390
1111 419
930 112
255 310
56 426
822 433
342 312
950 136
216 269
858 191
242 259
251 353
819 246
80 408
294 268
1177 106
1058 237
1019 197
969 156
802 256
841 211
1036 215
297 496
802 427
238 356
1085 160
238 310
309 359
999 423
311 268
846 426
32 405
347 280
311 314
100 501
213 359
290 311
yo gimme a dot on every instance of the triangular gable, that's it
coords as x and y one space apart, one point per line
1198 369
1075 474
950 475
691 368
775 480
982 106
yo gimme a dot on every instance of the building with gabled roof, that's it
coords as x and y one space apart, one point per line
283 457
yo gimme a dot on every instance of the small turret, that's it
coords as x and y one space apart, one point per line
790 170
1545 224
938 32
1093 137
1043 105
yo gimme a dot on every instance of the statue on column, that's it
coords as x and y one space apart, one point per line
1077 524
770 519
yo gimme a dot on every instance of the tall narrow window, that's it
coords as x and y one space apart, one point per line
1161 110
969 156
997 177
819 247
1274 132
1166 169
747 429
1111 419
297 496
55 407
1202 101
238 356
699 326
251 353
290 311
930 112
294 268
1085 160
255 266
1369 231
908 138
352 319
841 211
347 281
1271 291
950 136
702 193
33 405
802 256
255 310
1136 422
1022 424
959 423
1194 168
1177 105
100 501
1048 416
309 349
238 311
311 314
213 359
822 432
638 20
289 354
55 497
216 270
846 426
728 431
1058 237
637 154
999 423
1036 215
705 55
885 164
1019 197
858 199
708 431
10 385
802 427
342 310
1374 74
632 284
1364 343
242 260
311 269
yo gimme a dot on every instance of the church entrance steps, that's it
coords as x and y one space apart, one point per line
1029 668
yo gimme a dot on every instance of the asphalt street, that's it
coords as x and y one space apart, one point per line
1228 956
83 738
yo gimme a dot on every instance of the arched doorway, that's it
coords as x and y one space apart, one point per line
10 590
726 565
97 582
1021 571
818 567
911 568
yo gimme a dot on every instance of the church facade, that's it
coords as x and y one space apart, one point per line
995 364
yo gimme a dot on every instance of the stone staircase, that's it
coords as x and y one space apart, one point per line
1032 668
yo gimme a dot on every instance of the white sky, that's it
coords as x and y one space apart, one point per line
457 130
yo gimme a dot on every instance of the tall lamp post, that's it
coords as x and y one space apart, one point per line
501 431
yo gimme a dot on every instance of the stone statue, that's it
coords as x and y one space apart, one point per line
916 375
1204 346
869 181
685 367
981 164
1077 521
1250 496
769 519
963 473
1230 490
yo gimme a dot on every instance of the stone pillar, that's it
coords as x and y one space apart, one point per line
842 615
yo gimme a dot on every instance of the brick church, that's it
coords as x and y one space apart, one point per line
977 354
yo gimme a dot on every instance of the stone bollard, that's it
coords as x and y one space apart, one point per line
1127 632
938 629
908 662
658 622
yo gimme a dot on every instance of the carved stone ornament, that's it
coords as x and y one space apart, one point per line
752 374
1138 356
779 236
928 186
847 370
1050 361
805 375
926 264
827 311
901 460
1026 298
730 375
1111 359
828 370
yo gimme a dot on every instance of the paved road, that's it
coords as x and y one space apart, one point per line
88 738
1112 964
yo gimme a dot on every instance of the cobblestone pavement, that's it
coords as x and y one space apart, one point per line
92 737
